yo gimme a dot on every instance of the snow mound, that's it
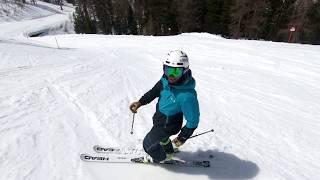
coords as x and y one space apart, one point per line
34 20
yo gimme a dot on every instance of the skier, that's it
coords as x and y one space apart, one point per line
176 98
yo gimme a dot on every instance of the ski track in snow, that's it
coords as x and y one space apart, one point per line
262 99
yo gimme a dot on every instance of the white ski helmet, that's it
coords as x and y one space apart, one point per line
176 58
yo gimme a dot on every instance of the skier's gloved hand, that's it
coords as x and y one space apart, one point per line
185 133
178 141
134 106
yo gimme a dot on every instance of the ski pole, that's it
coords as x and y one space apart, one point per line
201 133
132 123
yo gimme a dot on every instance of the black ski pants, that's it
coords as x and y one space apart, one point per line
163 128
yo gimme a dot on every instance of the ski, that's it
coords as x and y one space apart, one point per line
115 150
139 159
192 163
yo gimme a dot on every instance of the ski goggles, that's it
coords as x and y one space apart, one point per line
175 72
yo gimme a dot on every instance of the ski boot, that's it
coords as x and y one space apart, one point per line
167 146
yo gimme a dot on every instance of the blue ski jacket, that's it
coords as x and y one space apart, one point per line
174 101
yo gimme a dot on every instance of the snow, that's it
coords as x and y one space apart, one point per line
42 18
261 98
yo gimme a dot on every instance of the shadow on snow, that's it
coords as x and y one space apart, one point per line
223 165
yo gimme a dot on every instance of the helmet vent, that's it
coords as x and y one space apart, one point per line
168 62
180 64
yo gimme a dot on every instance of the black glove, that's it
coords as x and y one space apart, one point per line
185 133
134 106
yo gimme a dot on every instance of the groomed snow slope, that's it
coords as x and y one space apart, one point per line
262 99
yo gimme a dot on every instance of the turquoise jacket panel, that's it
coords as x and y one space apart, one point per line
182 98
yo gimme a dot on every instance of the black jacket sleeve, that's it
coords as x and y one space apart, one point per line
151 94
185 134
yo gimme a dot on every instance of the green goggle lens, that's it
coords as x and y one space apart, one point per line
173 71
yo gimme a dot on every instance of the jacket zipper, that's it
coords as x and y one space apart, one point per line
167 120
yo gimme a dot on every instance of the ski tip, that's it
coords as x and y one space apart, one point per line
89 158
83 157
95 147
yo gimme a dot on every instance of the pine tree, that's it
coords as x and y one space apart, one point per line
217 17
277 18
78 20
103 14
311 31
83 21
122 17
189 15
160 18
132 25
71 1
